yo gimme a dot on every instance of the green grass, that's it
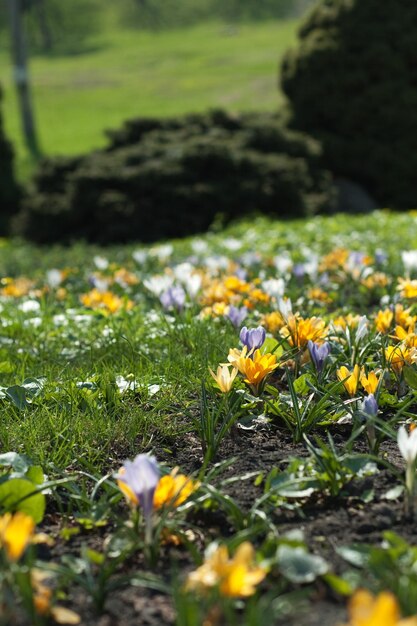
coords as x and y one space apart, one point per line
174 353
132 73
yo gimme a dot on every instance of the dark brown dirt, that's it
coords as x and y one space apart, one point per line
325 521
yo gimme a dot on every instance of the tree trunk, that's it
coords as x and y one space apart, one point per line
21 76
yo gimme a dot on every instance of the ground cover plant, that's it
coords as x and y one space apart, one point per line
175 177
217 430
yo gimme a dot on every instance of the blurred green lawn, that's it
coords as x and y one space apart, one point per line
133 73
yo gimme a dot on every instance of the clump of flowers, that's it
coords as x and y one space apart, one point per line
235 577
299 331
105 301
254 366
398 356
141 483
366 609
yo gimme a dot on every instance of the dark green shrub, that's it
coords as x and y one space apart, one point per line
8 188
171 178
352 84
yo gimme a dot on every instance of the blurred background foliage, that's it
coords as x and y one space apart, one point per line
96 63
234 106
70 26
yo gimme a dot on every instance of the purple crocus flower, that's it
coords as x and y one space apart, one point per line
142 476
380 256
173 298
370 406
241 273
236 315
318 353
299 270
252 338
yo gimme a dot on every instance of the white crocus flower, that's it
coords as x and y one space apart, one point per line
101 262
158 284
193 285
162 252
29 306
284 307
274 287
283 263
407 444
54 278
409 258
139 256
199 246
232 244
362 329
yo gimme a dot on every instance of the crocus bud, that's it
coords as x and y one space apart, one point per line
252 338
173 298
369 406
236 315
318 353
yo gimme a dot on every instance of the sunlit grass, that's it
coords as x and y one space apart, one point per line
130 73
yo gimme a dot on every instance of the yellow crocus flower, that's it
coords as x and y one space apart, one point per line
238 358
173 489
16 288
407 336
42 599
235 577
383 320
383 610
273 321
350 379
346 321
370 382
404 318
257 368
105 301
398 356
16 531
299 331
224 377
407 288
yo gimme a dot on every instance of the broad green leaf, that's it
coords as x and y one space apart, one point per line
393 493
356 555
17 494
299 566
17 395
338 584
271 345
18 462
33 386
35 474
410 376
301 385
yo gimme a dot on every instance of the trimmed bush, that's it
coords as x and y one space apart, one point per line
352 84
171 178
8 188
